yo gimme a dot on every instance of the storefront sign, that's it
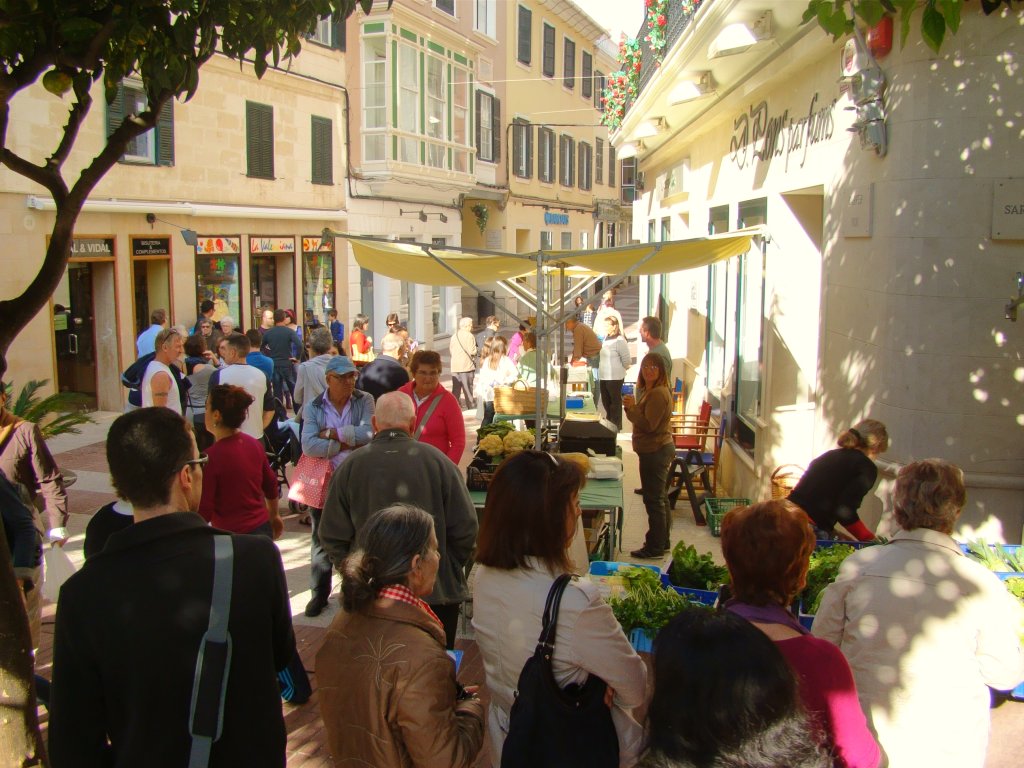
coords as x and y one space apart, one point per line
1008 209
556 218
151 246
314 244
83 247
271 244
757 135
206 244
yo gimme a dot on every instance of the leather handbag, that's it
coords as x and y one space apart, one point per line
310 480
549 725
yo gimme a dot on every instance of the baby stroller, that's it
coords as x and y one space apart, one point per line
283 447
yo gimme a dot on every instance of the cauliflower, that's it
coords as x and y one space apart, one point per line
492 445
517 441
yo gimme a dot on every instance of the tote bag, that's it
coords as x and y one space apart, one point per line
310 481
548 725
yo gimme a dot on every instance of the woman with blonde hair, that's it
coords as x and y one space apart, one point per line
615 361
496 370
835 484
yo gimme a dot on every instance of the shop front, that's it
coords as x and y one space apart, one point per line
318 294
271 274
218 262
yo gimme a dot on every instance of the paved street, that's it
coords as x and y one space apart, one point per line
306 744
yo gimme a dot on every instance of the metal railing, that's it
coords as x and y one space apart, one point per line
678 21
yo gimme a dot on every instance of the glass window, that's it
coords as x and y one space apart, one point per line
485 18
651 229
548 65
485 149
750 325
598 91
524 52
566 160
408 102
217 281
545 240
374 97
628 194
584 240
569 64
436 88
611 166
586 163
522 142
586 75
460 120
666 229
142 148
318 281
448 6
566 241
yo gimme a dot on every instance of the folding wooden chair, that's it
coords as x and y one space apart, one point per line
690 434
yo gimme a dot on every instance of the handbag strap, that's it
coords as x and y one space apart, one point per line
426 416
209 685
549 624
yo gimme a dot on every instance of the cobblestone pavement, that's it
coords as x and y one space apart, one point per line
85 455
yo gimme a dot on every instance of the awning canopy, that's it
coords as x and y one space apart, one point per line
428 265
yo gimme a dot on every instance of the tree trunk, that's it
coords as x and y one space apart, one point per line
21 743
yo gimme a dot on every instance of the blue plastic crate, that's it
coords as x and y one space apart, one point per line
641 640
703 596
608 568
826 543
1017 694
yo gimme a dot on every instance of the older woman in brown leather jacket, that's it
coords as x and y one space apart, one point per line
387 689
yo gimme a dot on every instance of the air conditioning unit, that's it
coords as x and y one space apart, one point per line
640 181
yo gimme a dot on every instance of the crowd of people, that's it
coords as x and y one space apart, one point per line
896 670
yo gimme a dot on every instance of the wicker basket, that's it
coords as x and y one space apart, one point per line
478 479
715 509
784 480
519 400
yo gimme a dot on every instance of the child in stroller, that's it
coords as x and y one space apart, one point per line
281 438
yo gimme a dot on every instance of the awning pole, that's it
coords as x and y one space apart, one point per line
542 318
614 284
563 376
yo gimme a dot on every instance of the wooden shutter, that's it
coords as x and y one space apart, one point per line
259 140
529 149
337 31
525 47
611 166
572 164
549 51
599 161
322 135
587 76
569 64
165 134
598 90
115 111
496 129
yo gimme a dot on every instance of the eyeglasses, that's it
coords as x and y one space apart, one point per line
651 367
203 458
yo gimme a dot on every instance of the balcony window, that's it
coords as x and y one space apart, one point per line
569 64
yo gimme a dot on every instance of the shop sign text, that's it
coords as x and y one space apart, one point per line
92 246
151 246
314 244
758 135
556 218
271 244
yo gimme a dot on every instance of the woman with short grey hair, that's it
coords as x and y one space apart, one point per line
387 689
926 630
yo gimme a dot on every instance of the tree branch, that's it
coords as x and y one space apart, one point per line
44 176
90 59
79 111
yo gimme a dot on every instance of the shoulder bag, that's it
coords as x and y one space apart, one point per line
426 416
549 725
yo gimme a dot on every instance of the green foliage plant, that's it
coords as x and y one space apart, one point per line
57 414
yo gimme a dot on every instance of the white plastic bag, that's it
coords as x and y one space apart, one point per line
58 568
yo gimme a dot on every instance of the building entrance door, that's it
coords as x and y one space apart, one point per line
75 333
263 283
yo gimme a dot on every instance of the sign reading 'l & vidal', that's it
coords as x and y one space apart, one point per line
759 136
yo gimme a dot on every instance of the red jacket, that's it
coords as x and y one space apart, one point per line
446 429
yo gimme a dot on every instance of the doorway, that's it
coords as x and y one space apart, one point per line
263 283
75 333
151 284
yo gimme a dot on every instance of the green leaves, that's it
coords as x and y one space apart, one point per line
937 16
57 82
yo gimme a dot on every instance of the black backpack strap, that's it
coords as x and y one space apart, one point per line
550 620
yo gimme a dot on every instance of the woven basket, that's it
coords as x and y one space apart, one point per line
784 480
519 399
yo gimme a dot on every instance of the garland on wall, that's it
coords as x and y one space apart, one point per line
657 24
481 213
622 84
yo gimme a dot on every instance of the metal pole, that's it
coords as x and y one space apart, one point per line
542 318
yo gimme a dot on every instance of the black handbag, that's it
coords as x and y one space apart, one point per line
551 726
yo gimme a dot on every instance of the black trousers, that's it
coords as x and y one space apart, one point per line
319 564
611 397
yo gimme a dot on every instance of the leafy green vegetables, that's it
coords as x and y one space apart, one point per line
647 604
695 571
995 557
499 428
822 572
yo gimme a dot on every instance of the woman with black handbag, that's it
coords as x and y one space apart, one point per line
572 705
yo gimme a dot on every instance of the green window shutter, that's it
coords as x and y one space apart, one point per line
165 134
611 166
496 128
337 31
259 140
529 150
322 134
525 47
478 97
548 64
115 111
587 76
599 161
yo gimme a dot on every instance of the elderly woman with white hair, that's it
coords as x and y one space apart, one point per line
925 629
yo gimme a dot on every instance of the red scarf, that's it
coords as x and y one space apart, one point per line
403 594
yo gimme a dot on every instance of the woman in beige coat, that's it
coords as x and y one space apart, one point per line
387 689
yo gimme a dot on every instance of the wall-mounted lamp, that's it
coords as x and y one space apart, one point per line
650 128
740 37
627 150
421 213
188 235
1010 311
688 90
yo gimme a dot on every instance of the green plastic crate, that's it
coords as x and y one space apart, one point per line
715 509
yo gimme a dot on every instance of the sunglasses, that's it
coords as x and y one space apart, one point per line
203 458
